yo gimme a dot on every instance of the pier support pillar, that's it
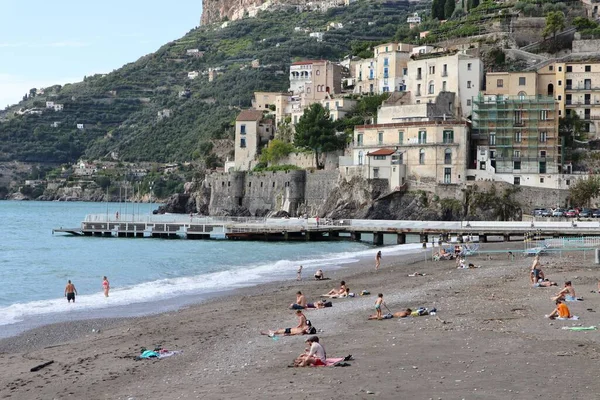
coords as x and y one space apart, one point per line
424 238
377 239
482 238
401 238
507 238
355 236
286 236
307 235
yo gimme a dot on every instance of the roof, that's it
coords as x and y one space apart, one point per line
382 152
250 115
307 62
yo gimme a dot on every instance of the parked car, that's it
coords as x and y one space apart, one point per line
547 213
596 213
537 212
559 212
571 214
585 213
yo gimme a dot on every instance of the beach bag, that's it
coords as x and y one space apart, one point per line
328 304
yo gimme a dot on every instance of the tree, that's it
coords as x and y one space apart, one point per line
582 23
315 131
570 127
449 8
275 151
555 22
584 190
434 9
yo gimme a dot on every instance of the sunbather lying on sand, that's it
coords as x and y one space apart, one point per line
337 292
544 283
301 329
399 314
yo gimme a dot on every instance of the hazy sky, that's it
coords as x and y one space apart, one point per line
56 42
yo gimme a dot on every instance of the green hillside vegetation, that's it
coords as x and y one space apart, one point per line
120 109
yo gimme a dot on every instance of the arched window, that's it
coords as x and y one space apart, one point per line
431 87
550 89
360 158
422 156
522 95
447 156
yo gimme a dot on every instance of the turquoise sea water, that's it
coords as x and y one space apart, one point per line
35 264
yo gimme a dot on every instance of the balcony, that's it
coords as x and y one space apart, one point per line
573 104
419 77
444 74
418 93
575 88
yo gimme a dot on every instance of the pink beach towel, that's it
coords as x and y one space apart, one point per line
330 361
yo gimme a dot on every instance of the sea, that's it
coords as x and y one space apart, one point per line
147 275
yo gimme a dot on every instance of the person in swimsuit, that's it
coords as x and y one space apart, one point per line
378 304
319 275
567 293
299 274
337 292
70 292
105 286
300 329
378 260
300 303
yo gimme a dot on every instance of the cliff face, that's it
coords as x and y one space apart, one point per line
216 10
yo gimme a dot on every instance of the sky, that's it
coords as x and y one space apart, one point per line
43 43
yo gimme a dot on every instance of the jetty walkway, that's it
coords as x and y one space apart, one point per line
250 228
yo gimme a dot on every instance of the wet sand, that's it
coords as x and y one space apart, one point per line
488 340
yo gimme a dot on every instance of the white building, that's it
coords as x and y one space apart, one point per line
58 107
81 126
317 35
49 104
193 74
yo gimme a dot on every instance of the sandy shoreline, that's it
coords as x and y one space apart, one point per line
495 343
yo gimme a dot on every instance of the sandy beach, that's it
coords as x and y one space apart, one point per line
489 340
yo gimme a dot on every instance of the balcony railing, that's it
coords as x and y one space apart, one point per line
583 103
419 77
581 87
444 73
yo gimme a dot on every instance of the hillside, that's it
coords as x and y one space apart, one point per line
120 110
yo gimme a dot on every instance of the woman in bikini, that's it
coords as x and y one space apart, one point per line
105 286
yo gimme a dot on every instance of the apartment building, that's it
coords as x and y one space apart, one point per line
315 79
427 152
515 139
430 74
252 132
385 72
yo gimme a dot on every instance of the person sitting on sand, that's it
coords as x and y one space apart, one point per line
561 311
300 303
319 275
313 355
301 329
567 293
337 292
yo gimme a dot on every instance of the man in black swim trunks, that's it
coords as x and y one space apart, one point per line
70 292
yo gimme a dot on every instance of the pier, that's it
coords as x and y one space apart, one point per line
312 229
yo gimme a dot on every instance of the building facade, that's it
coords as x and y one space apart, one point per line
385 72
315 79
252 133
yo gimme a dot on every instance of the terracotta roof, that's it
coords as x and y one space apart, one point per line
306 62
382 152
250 115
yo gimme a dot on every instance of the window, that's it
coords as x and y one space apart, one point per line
422 137
308 89
443 86
551 68
360 158
431 87
337 104
588 68
447 175
468 84
492 154
559 97
386 72
242 129
468 66
447 156
544 115
448 137
386 89
519 117
386 61
560 83
492 138
243 143
543 137
445 70
543 154
569 68
318 72
518 137
375 173
418 73
468 102
398 159
419 89
500 83
559 69
379 137
359 139
400 137
541 180
568 182
422 156
522 81
404 71
522 95
431 69
517 165
380 158
517 180
516 153
542 167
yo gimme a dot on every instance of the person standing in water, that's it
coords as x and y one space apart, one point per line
299 276
70 291
105 286
378 260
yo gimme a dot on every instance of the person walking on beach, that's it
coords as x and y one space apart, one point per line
377 260
299 276
105 286
70 291
378 305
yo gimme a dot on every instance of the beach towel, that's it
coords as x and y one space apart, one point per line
573 318
330 361
579 328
